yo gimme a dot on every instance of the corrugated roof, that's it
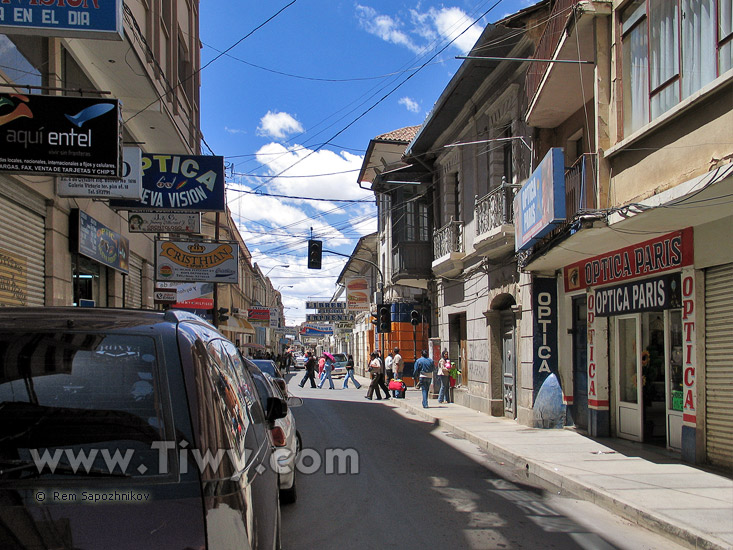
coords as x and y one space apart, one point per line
403 135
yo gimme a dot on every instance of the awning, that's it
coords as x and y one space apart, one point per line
235 324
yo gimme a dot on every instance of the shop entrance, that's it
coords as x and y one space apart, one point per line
647 349
579 410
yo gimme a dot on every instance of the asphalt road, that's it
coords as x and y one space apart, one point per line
410 485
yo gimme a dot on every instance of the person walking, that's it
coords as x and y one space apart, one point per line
310 370
375 367
444 367
327 368
350 373
424 368
388 365
382 375
397 366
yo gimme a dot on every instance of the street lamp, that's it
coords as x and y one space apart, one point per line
274 266
284 286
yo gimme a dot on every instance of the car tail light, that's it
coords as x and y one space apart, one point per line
277 434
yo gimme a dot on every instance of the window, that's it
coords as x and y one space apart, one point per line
423 222
507 154
24 59
185 73
410 220
670 50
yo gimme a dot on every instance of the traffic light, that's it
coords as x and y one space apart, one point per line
222 314
315 248
375 320
415 317
385 318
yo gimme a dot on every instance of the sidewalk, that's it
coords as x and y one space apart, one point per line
682 502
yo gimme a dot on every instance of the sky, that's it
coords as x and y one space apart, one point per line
291 94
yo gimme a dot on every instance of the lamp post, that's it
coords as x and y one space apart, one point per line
274 266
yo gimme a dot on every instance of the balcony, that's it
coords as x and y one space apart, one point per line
494 215
580 193
556 90
448 249
411 263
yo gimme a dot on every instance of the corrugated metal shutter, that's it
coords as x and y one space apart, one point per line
134 283
719 364
22 254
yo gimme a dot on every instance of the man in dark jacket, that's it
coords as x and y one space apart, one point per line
310 370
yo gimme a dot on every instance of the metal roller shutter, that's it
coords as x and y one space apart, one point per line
134 283
22 255
719 364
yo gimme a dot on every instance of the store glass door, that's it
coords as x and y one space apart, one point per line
628 366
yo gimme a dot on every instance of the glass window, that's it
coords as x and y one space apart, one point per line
410 220
636 67
675 360
627 359
664 51
725 35
24 59
423 222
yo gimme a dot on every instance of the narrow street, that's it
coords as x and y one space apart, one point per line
415 487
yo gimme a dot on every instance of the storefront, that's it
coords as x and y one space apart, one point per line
641 339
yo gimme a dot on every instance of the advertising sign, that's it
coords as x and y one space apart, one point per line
196 262
259 314
646 295
179 182
128 187
357 294
165 296
321 306
540 203
670 251
310 329
191 295
73 136
328 317
164 222
100 19
89 237
544 330
13 279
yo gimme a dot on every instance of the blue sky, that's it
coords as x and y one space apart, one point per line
300 98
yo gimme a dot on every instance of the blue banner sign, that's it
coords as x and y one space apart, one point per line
316 330
179 183
64 18
540 203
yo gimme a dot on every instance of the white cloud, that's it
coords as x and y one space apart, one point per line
278 125
410 104
427 29
234 130
276 228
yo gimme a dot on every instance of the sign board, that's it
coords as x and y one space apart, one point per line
101 19
540 203
13 279
340 306
357 294
165 296
127 187
312 329
653 294
164 222
259 315
58 135
670 251
191 295
94 240
544 330
179 182
328 317
196 262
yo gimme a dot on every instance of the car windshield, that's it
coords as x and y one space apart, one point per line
339 357
267 366
77 391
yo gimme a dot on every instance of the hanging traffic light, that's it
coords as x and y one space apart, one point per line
315 249
415 317
385 318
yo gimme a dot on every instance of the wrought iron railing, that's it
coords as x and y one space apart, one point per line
580 181
496 208
447 239
561 12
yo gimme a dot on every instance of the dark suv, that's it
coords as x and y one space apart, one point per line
131 429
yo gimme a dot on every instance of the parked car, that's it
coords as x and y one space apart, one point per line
300 361
284 434
103 413
339 365
269 367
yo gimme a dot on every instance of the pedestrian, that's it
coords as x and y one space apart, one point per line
444 367
375 367
310 370
397 366
388 365
350 373
382 375
327 368
424 368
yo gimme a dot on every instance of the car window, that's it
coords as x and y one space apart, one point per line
82 391
256 406
340 357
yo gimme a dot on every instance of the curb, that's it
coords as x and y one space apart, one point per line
629 511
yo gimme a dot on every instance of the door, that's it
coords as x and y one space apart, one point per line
509 365
579 410
628 368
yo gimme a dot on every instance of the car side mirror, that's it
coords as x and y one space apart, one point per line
276 408
294 401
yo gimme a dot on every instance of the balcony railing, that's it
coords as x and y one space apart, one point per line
496 208
580 181
561 12
447 239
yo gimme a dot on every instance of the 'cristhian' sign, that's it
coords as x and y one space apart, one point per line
180 182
